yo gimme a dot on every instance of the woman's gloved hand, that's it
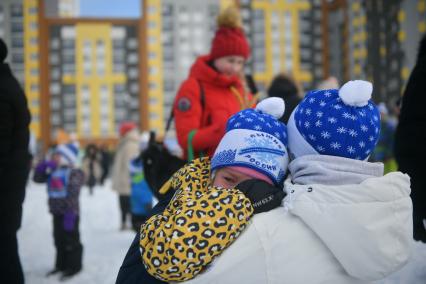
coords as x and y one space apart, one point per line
262 195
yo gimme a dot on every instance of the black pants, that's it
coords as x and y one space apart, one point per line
418 196
125 208
10 265
69 250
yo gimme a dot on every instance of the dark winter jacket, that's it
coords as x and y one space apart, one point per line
223 97
14 155
411 131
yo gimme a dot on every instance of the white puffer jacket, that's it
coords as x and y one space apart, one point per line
353 233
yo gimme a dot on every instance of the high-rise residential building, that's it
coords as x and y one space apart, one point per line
31 60
385 55
412 22
12 32
274 31
177 32
93 76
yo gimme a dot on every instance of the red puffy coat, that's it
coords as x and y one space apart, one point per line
223 97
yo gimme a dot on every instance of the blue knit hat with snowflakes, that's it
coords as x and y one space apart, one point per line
257 140
343 123
68 153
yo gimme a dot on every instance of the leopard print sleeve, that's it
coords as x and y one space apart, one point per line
198 224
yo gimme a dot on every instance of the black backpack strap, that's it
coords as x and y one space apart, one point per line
202 101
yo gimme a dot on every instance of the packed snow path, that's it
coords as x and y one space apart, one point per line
105 245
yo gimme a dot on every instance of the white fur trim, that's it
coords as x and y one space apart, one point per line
356 93
273 106
297 145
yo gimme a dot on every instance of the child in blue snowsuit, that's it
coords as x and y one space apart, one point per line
63 185
141 195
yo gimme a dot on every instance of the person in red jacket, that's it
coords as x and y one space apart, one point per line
201 119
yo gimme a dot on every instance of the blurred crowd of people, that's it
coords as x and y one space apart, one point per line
215 94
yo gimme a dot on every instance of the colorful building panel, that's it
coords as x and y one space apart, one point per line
274 31
94 74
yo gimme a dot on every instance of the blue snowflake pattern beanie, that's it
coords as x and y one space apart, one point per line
343 123
257 140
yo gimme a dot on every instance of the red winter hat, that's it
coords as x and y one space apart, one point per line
126 127
229 38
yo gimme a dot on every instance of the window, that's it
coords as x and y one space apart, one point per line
152 10
167 9
153 86
17 58
100 48
34 88
17 43
134 88
153 100
133 73
16 10
68 89
152 24
132 43
169 86
152 70
55 119
153 115
55 103
55 88
33 10
118 68
54 43
68 69
119 88
17 27
118 44
35 103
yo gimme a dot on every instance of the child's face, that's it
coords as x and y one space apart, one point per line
230 65
56 157
229 178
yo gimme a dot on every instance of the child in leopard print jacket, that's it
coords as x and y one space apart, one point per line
214 199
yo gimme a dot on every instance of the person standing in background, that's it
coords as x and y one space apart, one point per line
15 162
92 166
127 149
105 162
285 87
64 182
214 90
410 140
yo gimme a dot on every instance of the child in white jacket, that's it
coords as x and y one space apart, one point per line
342 220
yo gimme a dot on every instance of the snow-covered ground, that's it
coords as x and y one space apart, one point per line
105 245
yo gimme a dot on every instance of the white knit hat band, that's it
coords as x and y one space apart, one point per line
297 145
